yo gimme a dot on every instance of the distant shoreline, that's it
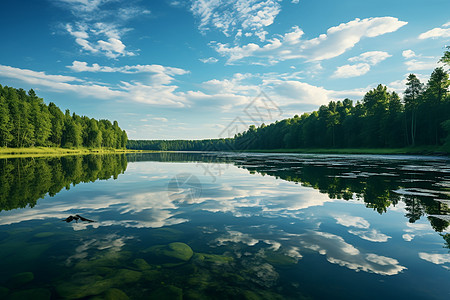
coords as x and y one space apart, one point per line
55 151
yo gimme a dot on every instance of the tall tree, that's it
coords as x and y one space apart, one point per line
413 92
5 123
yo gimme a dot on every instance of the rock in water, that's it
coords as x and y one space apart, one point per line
173 252
20 279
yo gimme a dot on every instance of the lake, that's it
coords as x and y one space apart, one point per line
225 226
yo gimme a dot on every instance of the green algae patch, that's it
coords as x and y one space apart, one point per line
279 259
35 294
115 294
3 292
20 279
169 292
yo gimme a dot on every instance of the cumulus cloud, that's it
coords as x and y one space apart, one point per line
229 16
351 221
438 32
339 252
438 259
156 92
291 45
417 62
366 61
372 235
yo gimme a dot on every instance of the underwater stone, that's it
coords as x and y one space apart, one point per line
76 289
177 251
169 292
35 294
141 264
212 258
279 259
151 275
115 294
20 279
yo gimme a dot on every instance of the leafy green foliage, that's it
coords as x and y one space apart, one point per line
26 121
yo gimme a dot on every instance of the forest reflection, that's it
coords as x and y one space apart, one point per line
421 184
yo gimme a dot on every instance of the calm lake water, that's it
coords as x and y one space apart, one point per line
225 226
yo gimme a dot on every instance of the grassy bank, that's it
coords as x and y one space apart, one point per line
423 150
54 151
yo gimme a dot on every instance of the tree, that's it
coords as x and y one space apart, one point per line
5 123
411 98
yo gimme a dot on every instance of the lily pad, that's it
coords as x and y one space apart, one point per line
123 276
173 252
141 264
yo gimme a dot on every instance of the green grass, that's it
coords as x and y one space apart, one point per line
54 151
422 150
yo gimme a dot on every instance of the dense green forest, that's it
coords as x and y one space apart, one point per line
380 120
26 121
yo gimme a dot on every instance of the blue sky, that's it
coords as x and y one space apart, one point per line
192 69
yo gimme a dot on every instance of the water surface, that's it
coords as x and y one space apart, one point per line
225 226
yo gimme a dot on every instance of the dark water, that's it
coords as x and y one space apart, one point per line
225 226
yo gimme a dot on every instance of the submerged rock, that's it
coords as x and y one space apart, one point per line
20 279
141 264
35 294
173 252
115 294
212 258
83 287
169 292
280 259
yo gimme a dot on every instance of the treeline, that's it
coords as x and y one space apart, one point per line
26 121
380 120
25 180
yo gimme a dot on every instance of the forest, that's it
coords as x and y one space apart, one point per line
380 120
26 121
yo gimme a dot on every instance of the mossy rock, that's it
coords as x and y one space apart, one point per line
44 234
212 258
3 292
124 276
175 252
279 259
141 264
250 295
20 279
35 294
80 288
169 292
108 259
115 294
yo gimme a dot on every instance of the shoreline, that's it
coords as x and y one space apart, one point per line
54 151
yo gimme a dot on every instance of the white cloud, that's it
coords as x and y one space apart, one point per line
416 62
155 93
408 54
339 252
366 60
437 32
236 237
295 1
351 221
372 235
229 16
438 259
335 42
372 57
161 119
210 60
347 71
89 37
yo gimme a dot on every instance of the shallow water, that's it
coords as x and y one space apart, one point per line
225 226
